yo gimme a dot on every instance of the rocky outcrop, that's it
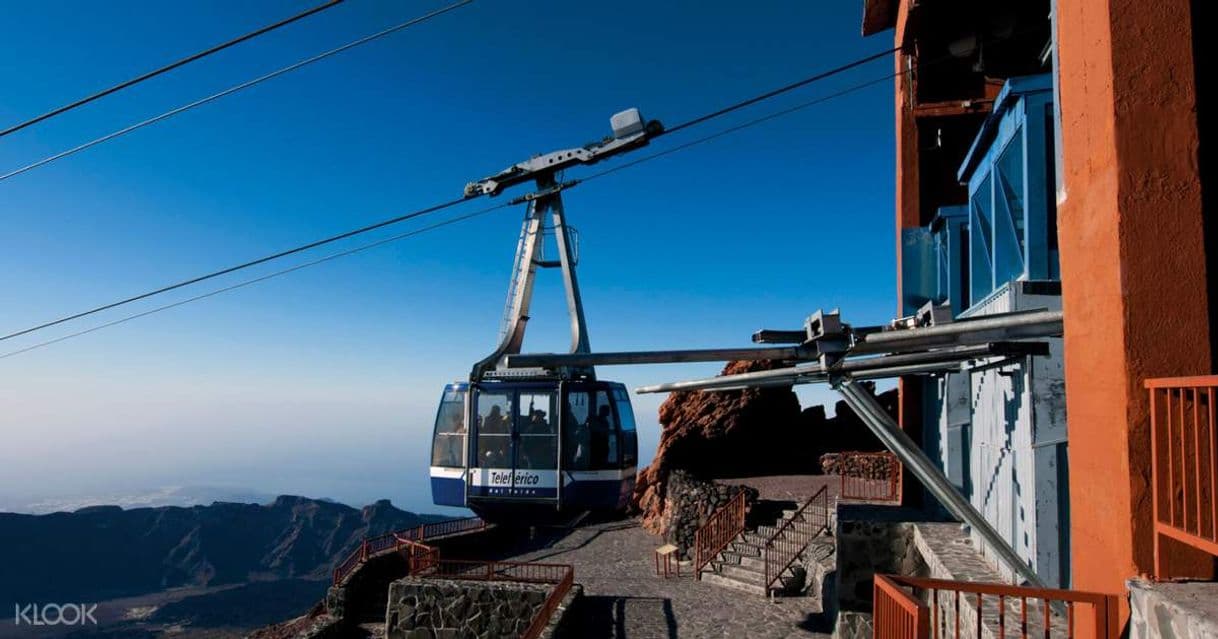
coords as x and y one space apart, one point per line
744 433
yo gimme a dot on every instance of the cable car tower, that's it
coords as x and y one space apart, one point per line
525 444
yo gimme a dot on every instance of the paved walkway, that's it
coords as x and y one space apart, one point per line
624 599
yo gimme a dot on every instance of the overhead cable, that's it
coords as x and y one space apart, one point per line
256 280
432 209
781 90
229 91
167 68
239 267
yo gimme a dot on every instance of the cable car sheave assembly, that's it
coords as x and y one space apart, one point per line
532 444
830 351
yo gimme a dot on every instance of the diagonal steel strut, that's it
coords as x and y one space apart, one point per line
865 405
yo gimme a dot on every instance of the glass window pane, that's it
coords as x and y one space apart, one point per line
603 433
494 430
626 413
448 446
537 427
629 437
630 448
575 443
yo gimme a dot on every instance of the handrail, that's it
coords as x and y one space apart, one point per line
894 616
419 556
553 600
393 540
781 552
724 525
1184 464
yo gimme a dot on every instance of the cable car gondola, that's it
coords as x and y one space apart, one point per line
527 445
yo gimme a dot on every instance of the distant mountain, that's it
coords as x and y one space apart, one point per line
104 552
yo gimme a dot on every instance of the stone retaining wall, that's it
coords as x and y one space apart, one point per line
1172 610
426 608
867 547
689 502
362 598
923 549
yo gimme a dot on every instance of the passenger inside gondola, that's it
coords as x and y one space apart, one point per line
538 445
598 435
495 422
494 441
575 432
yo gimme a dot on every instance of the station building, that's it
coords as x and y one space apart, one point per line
1054 154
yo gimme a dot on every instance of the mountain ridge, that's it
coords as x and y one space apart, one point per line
103 552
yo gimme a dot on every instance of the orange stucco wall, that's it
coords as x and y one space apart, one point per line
1132 261
907 217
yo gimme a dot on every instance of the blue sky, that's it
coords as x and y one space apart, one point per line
324 382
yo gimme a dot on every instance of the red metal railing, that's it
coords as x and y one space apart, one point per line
522 572
420 557
557 594
561 575
393 541
795 534
719 530
896 614
870 476
1184 462
973 608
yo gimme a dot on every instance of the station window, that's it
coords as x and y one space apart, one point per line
448 446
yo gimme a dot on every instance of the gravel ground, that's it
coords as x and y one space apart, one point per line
624 598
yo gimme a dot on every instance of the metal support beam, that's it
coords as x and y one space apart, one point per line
549 360
859 368
865 405
969 331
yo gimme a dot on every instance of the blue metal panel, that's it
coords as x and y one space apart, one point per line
446 491
980 242
950 229
918 266
1010 176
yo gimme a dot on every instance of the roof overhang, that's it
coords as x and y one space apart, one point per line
879 15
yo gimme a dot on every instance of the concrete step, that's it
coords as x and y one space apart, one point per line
744 548
759 538
752 587
748 561
742 573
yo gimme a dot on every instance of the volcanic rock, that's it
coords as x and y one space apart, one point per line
745 433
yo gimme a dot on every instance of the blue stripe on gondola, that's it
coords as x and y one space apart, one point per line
602 494
515 493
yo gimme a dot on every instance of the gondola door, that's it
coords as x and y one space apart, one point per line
535 444
516 456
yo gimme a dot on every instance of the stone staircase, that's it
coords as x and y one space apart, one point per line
741 566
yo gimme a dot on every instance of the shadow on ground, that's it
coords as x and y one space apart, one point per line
603 617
